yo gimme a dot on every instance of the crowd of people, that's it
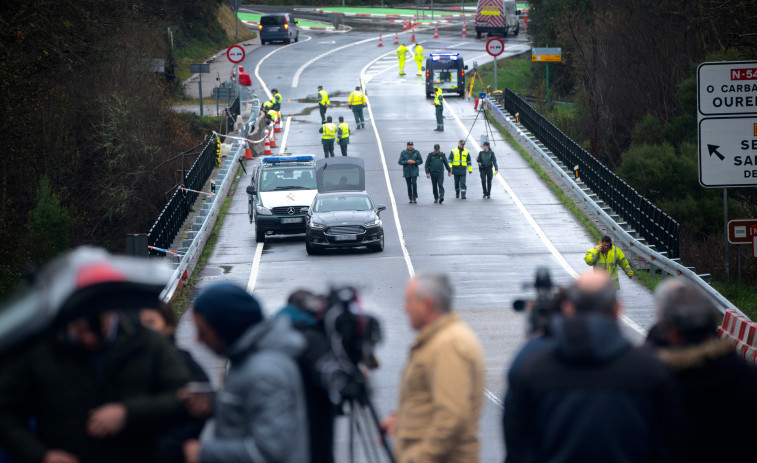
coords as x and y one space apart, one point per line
113 387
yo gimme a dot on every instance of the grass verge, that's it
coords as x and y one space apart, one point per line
742 296
181 300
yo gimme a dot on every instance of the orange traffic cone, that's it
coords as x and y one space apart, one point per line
404 24
247 152
412 37
464 30
273 138
277 124
267 145
436 32
396 39
381 44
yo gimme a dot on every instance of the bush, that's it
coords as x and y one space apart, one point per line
48 225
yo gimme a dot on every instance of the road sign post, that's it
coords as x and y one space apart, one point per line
727 129
495 47
199 69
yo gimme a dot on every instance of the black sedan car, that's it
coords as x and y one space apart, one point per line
344 219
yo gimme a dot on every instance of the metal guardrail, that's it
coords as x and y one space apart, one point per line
641 255
652 223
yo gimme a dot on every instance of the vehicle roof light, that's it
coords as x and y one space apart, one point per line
279 159
445 56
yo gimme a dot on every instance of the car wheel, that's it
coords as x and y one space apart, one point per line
310 249
262 42
287 41
259 235
378 247
297 37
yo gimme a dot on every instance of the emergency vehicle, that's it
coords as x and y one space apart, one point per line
497 17
445 70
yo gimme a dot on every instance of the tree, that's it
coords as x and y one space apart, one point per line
47 226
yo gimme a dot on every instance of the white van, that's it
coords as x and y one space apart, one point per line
497 17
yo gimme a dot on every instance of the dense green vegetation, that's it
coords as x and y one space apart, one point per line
87 119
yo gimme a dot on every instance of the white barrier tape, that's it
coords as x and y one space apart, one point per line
197 191
167 251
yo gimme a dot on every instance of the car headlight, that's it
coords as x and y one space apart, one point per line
374 223
316 225
262 210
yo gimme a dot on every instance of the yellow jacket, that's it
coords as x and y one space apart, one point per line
441 395
609 262
401 52
324 97
356 98
418 53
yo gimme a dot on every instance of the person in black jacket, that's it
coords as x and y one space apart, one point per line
163 320
591 396
304 309
708 371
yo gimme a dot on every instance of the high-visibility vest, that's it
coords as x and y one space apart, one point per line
609 261
273 115
356 97
401 52
267 105
438 97
345 129
277 98
324 97
418 53
329 131
461 159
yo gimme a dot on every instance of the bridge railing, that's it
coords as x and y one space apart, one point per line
637 251
648 220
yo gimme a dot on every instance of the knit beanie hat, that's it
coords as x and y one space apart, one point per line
229 309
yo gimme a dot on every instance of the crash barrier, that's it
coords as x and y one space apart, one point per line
648 220
742 332
638 252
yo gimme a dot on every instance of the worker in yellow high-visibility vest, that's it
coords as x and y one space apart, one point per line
328 129
418 57
607 257
343 135
323 103
460 161
357 102
401 52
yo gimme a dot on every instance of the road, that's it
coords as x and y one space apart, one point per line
489 247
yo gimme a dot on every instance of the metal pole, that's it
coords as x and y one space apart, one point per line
495 73
547 80
725 234
200 87
738 254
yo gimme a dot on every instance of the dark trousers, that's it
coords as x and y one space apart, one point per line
328 148
322 109
343 147
439 117
460 184
486 179
437 185
357 111
412 187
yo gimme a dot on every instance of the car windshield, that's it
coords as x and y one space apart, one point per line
288 178
272 20
343 203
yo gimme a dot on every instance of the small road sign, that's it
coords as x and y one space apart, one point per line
224 93
742 231
199 68
548 55
727 88
495 46
235 53
728 151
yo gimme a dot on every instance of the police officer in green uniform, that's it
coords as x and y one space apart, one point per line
327 139
410 159
439 105
276 100
323 103
486 161
343 135
436 163
460 161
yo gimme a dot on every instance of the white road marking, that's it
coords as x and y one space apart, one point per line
257 68
296 78
286 135
539 232
255 268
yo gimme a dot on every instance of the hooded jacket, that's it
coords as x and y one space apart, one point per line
260 413
591 397
710 375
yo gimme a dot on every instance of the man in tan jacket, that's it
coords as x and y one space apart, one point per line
443 384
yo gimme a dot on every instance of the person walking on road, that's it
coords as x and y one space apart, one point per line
261 414
439 105
418 57
356 103
343 135
442 390
460 161
436 163
590 395
401 54
323 103
486 161
410 159
328 129
607 257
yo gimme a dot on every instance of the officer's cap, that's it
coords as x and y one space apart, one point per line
462 141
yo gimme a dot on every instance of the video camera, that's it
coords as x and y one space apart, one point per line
544 306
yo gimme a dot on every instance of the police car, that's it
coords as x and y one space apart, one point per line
282 188
447 71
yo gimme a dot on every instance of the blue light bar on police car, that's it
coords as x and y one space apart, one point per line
277 159
445 56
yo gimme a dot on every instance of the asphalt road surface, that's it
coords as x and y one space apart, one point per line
489 247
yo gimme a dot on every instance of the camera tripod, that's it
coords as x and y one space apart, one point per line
487 124
364 421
